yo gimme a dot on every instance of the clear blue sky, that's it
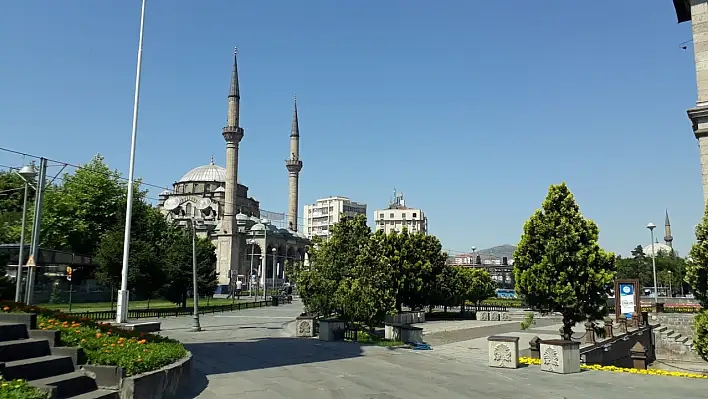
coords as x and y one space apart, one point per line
472 109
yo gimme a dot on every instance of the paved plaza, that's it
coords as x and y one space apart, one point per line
251 354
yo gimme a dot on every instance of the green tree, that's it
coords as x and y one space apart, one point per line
669 268
558 265
449 289
85 206
331 262
369 293
178 267
11 202
478 285
697 278
417 261
149 233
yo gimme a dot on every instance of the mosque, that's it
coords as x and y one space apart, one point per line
212 199
657 248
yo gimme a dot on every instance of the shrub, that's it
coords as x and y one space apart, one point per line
700 341
20 389
528 321
104 344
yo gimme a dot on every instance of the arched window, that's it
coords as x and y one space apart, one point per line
188 209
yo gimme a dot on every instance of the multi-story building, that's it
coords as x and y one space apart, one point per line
398 215
501 270
326 212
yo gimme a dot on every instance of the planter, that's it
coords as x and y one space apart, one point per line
28 319
53 336
159 384
560 356
503 352
406 318
305 326
403 332
331 330
164 383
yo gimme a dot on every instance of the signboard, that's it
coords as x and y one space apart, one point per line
627 298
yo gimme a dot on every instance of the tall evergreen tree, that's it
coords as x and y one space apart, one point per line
558 265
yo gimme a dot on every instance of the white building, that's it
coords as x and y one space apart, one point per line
398 215
326 212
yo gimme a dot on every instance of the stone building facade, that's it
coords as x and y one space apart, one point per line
211 198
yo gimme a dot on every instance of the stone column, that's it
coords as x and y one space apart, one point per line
699 114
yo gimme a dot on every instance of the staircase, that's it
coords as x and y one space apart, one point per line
31 359
672 345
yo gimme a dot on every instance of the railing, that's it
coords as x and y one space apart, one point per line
170 312
487 308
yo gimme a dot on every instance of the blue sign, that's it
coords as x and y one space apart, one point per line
626 298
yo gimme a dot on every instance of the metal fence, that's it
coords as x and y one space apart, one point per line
487 308
170 312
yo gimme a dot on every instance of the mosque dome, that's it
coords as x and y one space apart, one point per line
205 173
258 227
658 248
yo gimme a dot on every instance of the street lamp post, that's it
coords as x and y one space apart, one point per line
27 173
172 205
195 325
670 278
651 227
272 274
474 258
250 272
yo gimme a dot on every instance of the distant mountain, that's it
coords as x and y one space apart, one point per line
499 251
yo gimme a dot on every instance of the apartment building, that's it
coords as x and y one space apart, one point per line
398 215
326 212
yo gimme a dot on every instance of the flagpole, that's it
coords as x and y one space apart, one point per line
122 313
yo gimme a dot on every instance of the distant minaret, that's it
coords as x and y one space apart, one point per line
294 166
228 242
668 239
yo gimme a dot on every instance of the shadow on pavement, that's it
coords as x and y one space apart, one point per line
215 358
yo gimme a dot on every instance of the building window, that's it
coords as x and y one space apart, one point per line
414 215
188 209
391 215
403 215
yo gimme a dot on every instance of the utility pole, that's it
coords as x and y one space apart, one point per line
36 229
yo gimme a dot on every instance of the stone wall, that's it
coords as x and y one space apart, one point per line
678 322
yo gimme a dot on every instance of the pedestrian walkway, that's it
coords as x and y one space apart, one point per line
247 354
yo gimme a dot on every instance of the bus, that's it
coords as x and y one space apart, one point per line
505 293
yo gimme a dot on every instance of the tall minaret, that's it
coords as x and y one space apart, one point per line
668 239
228 242
294 166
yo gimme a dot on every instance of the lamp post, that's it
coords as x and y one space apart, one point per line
250 271
474 258
651 227
28 174
172 205
670 278
272 274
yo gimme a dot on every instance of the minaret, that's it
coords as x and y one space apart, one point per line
228 242
668 239
294 166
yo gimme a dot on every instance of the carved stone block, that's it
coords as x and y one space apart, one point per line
483 316
331 330
305 326
504 316
493 316
503 352
560 356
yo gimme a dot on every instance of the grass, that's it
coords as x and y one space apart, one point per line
104 344
364 338
154 304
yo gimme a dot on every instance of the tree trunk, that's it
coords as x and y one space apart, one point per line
567 330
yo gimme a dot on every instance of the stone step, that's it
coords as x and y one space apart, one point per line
667 332
674 336
98 394
682 340
38 367
23 349
661 329
67 385
13 331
